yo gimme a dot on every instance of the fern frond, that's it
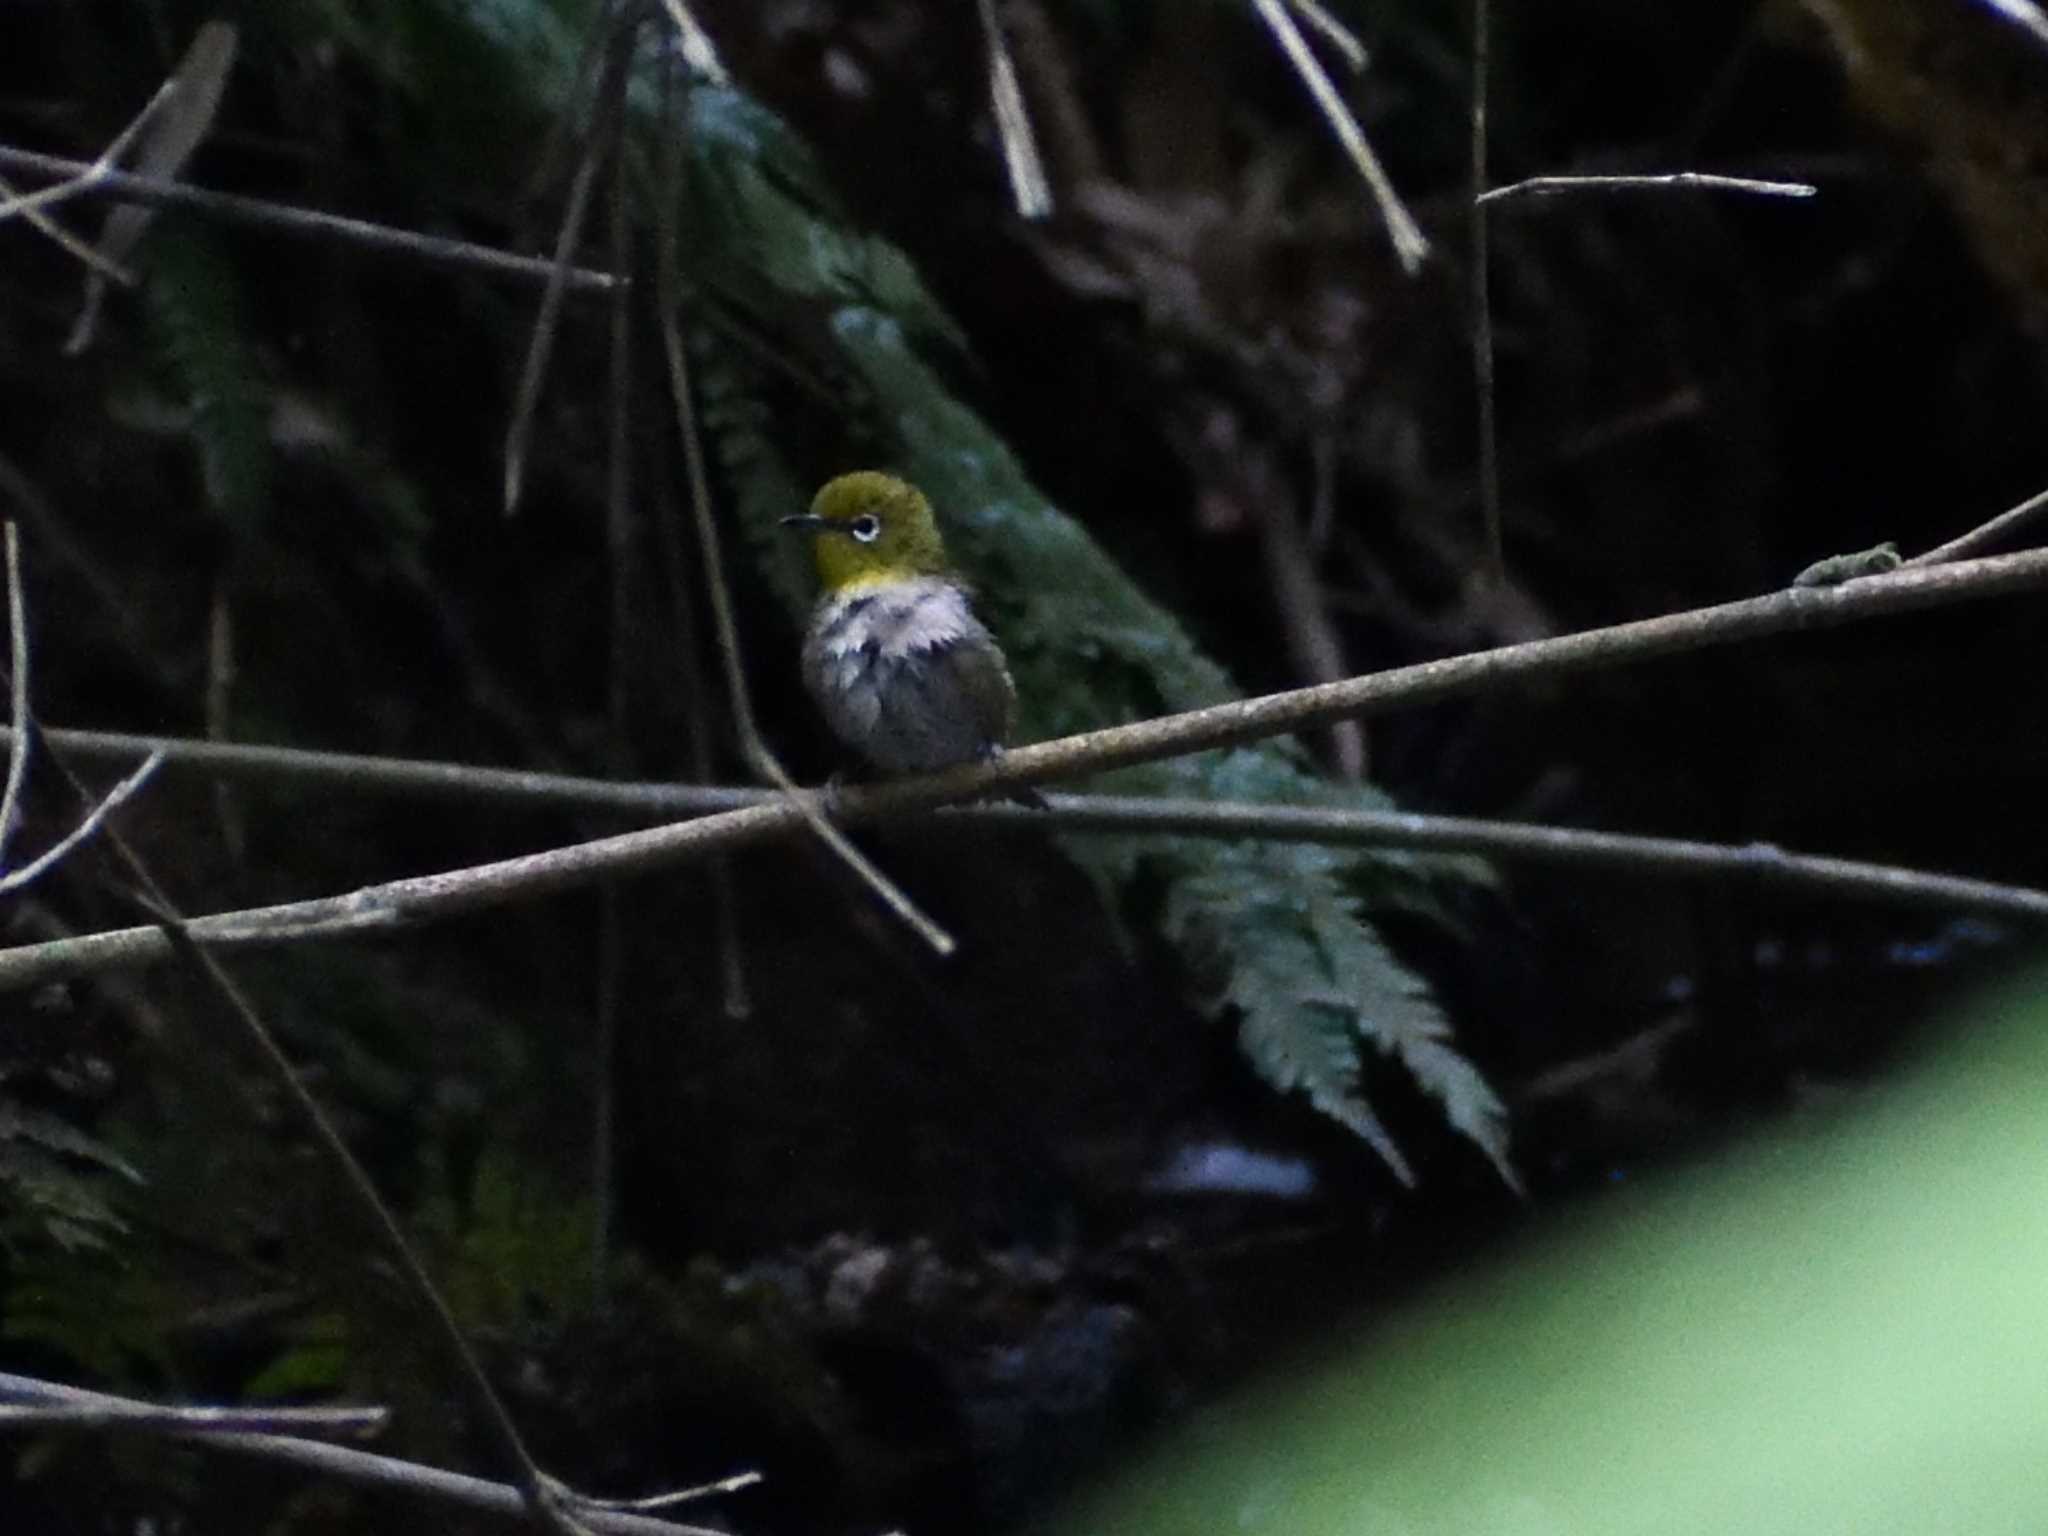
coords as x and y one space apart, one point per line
51 1179
196 315
1277 932
20 1123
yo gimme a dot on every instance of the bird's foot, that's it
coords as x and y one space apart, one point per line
1018 794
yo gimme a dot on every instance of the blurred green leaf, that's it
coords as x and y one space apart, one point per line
1841 1329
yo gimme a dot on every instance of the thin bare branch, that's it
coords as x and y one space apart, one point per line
347 1464
607 106
542 1494
1409 244
753 746
1985 534
17 689
154 1419
1698 181
31 205
357 773
1118 815
408 902
388 907
1312 639
119 795
1570 846
261 213
1482 303
725 1485
1028 185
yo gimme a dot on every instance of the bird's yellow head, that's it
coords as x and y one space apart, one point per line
868 528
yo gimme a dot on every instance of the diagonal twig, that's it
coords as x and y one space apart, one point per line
17 689
542 1494
1028 187
162 1419
56 853
285 218
619 562
724 1485
1984 534
25 204
753 746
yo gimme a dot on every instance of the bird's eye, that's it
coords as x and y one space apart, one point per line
867 528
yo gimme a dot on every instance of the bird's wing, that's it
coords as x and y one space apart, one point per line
971 668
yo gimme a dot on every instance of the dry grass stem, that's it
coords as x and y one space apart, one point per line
1335 33
698 50
1028 185
1409 244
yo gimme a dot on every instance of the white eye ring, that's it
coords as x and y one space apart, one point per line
867 528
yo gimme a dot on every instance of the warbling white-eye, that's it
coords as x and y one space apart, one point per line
905 673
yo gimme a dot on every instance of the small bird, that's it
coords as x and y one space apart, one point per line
905 673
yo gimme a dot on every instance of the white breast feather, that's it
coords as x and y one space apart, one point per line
903 717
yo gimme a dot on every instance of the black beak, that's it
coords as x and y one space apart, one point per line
809 522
